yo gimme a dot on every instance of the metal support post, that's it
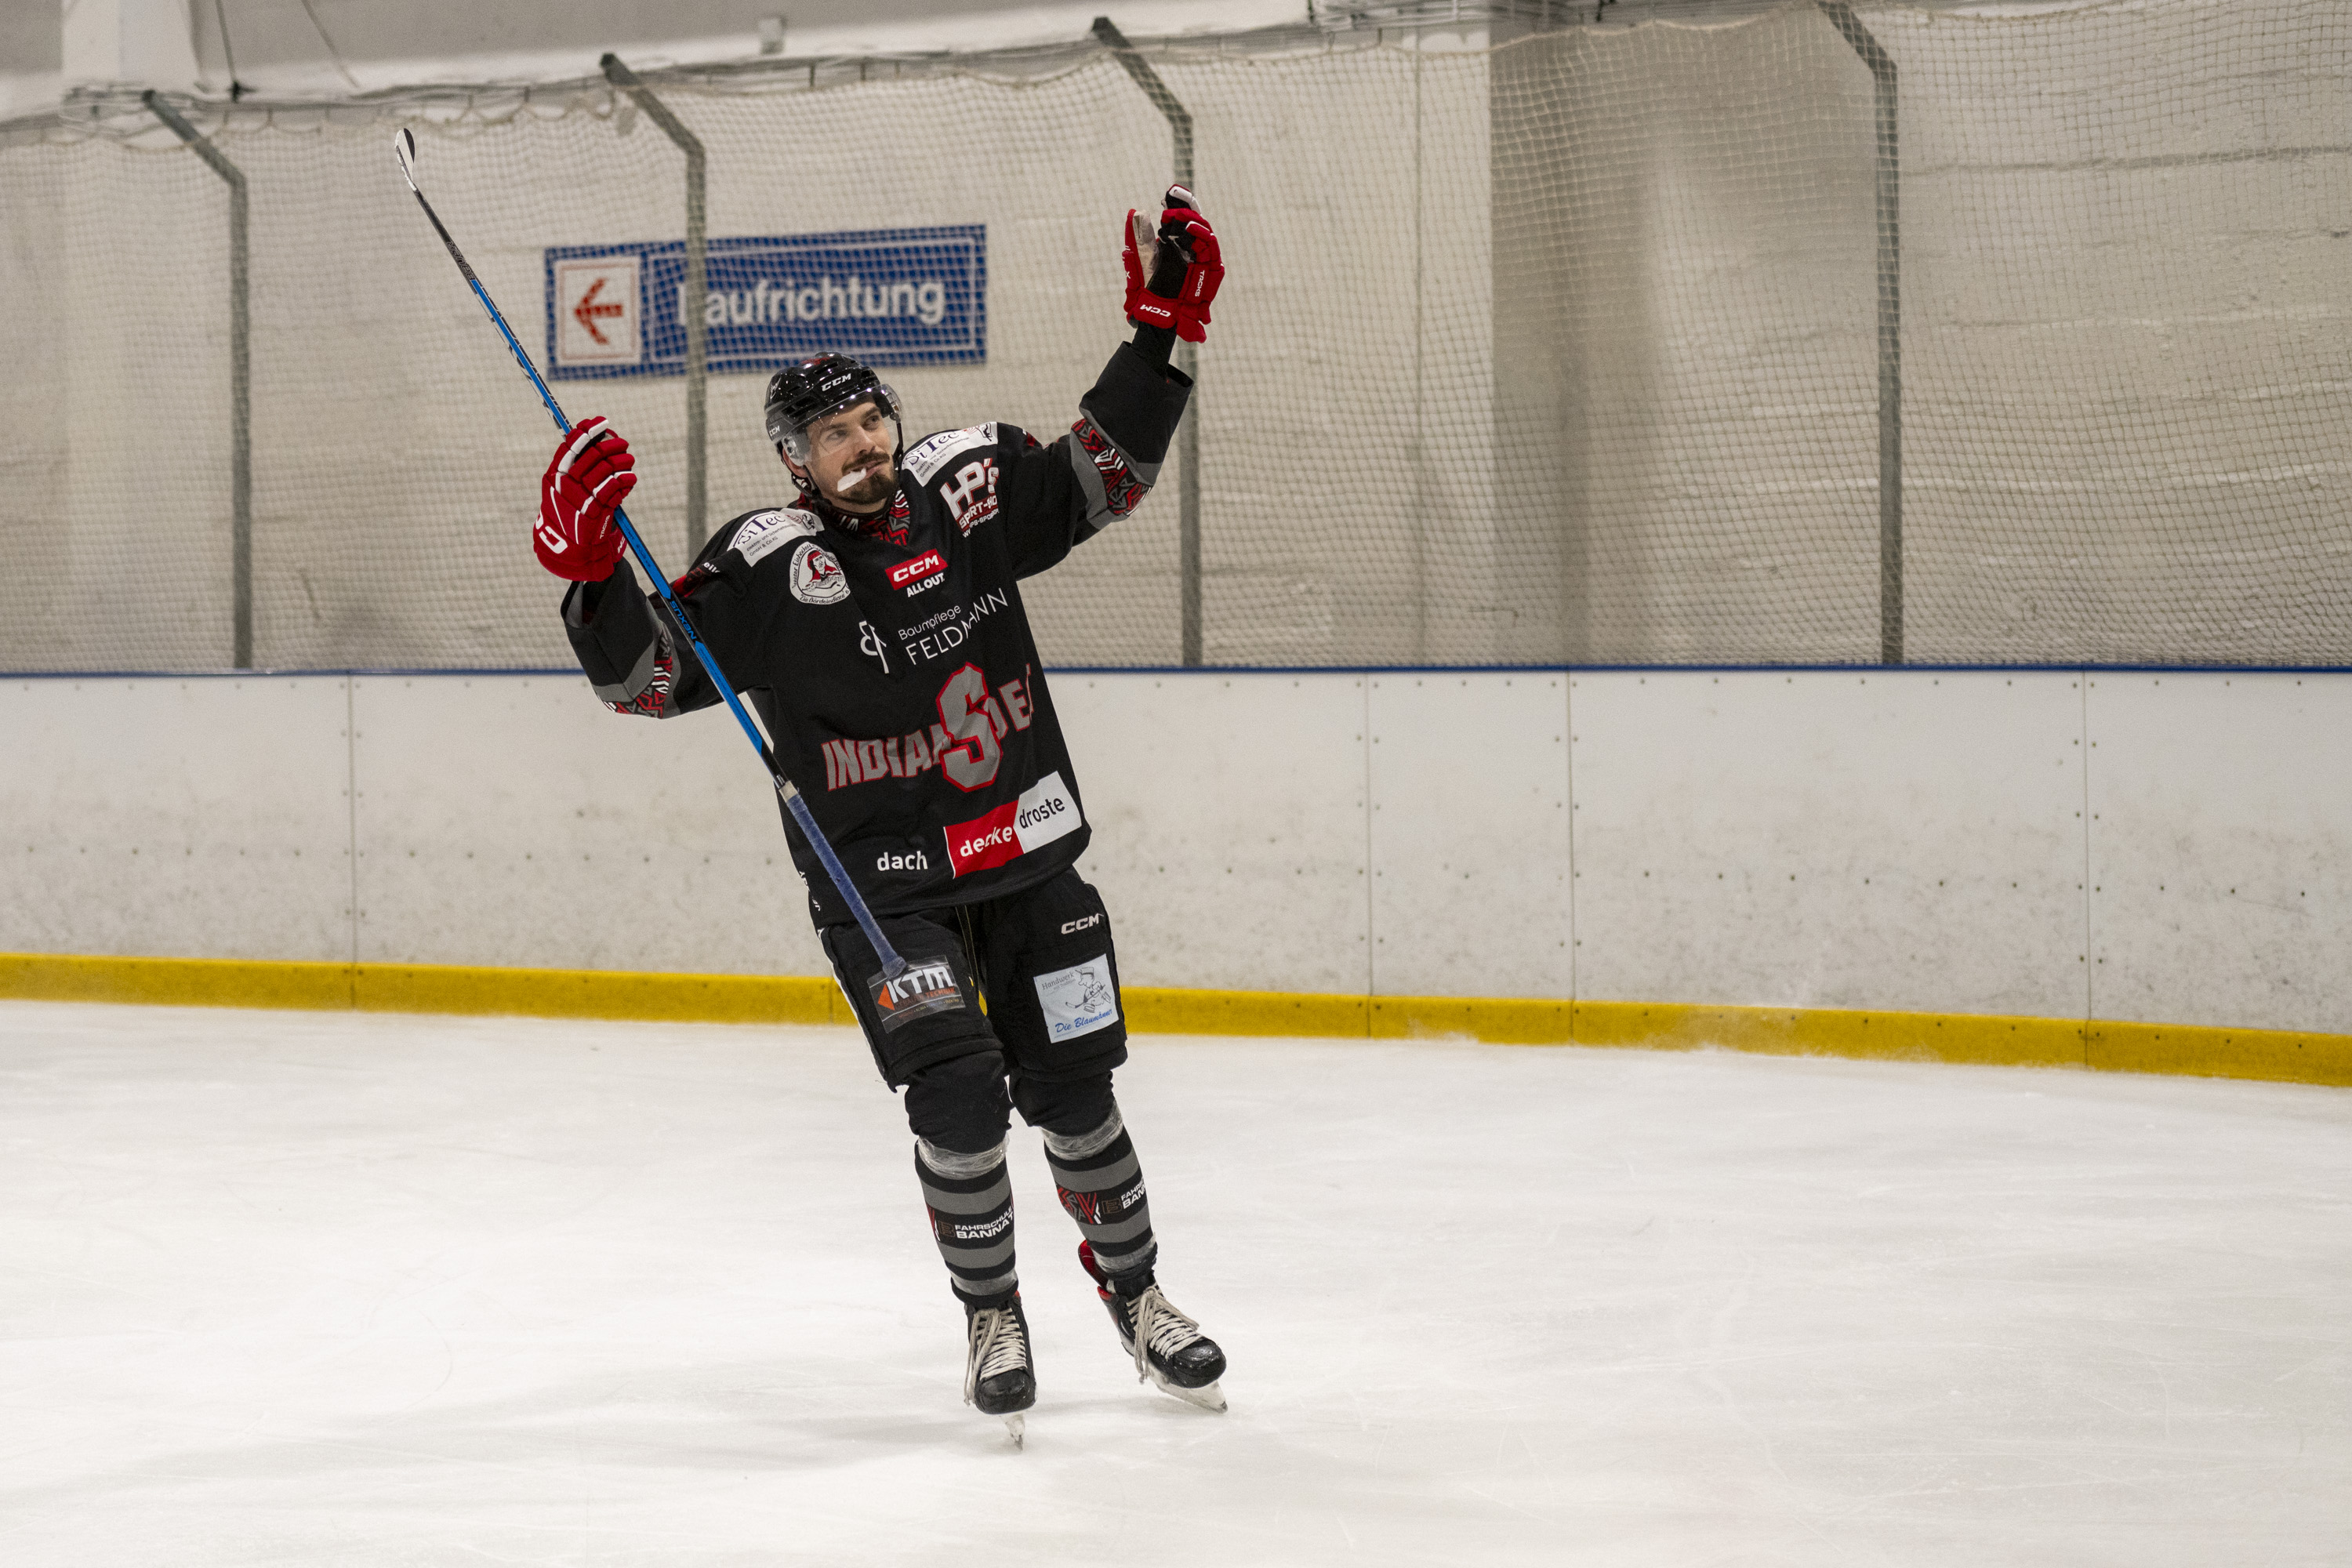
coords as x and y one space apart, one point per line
1890 330
1188 358
240 381
698 331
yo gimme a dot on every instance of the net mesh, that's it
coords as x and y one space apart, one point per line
1563 349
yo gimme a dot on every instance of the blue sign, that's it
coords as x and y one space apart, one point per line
889 296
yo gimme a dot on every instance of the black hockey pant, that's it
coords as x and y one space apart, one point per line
1053 1030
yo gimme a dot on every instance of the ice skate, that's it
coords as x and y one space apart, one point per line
997 1378
1170 1350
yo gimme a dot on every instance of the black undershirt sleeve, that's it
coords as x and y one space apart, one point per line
1155 344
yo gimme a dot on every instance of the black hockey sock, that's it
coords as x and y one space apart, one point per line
970 1201
1102 1187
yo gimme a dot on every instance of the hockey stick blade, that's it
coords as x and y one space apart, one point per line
403 148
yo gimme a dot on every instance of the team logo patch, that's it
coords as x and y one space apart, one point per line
925 571
1079 1000
1045 812
817 575
762 535
926 986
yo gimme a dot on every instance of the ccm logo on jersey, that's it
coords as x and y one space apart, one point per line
927 569
1070 926
1045 812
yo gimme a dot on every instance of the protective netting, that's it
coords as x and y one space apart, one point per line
1561 350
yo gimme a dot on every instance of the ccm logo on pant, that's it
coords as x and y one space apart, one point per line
1081 925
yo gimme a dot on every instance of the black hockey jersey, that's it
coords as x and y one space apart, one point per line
890 657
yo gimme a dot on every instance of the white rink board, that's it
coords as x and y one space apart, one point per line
199 818
2222 849
1228 814
1907 841
514 821
1469 834
1831 839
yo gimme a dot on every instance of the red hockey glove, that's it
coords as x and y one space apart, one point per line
1183 230
1186 268
590 476
1144 308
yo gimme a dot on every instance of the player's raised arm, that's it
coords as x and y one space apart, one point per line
624 642
1061 495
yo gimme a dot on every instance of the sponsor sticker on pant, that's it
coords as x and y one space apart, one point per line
927 985
1046 811
1079 1000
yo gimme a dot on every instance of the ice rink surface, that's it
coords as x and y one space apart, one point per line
309 1288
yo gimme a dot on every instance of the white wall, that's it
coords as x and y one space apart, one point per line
2162 848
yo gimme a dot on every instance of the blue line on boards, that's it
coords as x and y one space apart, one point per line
1699 669
1228 670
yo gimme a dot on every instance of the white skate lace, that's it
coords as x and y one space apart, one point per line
997 1346
1159 1326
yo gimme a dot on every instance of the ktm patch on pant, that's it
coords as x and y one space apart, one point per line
926 986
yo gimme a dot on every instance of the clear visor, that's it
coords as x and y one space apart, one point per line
795 439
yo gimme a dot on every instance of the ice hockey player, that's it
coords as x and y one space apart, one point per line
877 629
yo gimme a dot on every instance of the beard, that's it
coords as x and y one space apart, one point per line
871 488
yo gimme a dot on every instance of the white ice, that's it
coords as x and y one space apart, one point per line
308 1289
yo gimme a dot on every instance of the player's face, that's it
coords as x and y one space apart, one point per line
849 457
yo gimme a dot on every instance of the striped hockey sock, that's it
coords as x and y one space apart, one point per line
970 1201
1102 1187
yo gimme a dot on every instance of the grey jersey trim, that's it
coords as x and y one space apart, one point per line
633 685
1097 499
1146 474
1091 481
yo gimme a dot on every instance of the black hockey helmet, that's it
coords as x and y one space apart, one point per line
801 395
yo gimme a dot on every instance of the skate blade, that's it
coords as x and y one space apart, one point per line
1017 1426
1209 1396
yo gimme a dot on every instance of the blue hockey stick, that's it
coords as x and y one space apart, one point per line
404 146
